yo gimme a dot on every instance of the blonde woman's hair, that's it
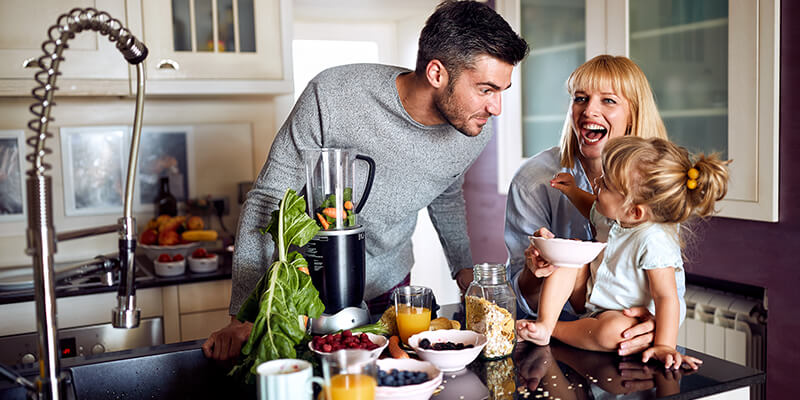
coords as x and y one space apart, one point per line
629 81
654 172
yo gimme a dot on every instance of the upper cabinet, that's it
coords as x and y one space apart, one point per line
217 46
91 66
713 66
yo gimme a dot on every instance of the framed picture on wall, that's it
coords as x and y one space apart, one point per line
164 151
94 162
12 185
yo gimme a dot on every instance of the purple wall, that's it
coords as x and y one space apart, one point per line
755 253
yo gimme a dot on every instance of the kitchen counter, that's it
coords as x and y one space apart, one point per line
557 370
145 278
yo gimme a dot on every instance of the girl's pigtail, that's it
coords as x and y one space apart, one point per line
707 183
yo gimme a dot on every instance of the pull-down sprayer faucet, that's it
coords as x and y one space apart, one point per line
41 238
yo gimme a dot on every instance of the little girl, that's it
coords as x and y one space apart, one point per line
648 188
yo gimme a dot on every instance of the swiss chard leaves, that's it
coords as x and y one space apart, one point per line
284 294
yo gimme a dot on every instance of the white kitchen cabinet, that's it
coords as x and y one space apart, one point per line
217 46
192 311
713 66
92 65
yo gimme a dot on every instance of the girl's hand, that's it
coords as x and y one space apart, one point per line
564 182
540 267
670 357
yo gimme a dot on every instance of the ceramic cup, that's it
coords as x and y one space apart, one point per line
286 379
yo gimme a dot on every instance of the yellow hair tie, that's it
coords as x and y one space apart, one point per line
693 173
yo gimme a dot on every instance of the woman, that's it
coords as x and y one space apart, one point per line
610 98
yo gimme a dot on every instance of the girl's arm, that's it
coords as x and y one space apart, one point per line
581 199
665 295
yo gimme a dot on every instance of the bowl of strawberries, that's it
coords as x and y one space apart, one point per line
167 265
323 345
201 261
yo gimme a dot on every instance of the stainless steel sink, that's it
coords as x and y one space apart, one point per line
174 371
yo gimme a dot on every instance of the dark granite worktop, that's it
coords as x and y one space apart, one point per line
554 371
146 278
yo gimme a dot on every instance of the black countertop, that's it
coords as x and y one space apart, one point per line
146 278
531 372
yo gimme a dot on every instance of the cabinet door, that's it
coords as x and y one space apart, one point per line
217 46
92 65
713 66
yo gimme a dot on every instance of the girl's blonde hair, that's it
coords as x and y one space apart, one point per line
655 172
629 81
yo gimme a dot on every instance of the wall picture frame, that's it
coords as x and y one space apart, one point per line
94 166
13 195
164 151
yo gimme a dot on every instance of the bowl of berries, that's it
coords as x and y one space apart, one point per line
406 379
166 265
448 349
323 345
201 261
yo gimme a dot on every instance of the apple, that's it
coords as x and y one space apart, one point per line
195 223
149 236
168 238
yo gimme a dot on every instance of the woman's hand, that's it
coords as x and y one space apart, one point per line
640 336
540 267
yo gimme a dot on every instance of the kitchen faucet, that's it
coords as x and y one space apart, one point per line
41 237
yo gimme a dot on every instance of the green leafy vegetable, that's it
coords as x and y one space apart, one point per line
330 202
283 295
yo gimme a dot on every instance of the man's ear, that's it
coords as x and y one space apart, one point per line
436 74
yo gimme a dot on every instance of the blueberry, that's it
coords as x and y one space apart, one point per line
425 344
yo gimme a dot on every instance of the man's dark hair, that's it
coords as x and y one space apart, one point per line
460 31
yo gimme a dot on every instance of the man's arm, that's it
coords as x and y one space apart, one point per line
449 217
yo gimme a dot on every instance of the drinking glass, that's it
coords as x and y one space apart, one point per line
350 375
413 308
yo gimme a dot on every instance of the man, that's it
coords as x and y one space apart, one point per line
422 128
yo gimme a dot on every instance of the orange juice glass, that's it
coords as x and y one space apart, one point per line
352 387
413 307
350 375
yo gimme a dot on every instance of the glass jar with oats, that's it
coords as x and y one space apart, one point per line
491 309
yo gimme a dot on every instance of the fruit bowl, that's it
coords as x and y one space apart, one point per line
209 263
449 360
170 268
152 251
566 252
420 391
379 340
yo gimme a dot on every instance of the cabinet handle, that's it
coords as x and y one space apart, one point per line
30 63
168 64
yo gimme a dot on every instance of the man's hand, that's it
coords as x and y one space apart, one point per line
226 343
464 278
640 336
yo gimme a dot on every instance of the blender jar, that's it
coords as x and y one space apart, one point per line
330 188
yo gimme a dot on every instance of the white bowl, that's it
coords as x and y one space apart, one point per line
204 264
449 360
152 252
566 252
420 391
380 340
171 268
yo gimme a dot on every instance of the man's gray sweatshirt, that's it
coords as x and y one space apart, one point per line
358 106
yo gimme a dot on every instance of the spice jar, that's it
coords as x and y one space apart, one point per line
491 309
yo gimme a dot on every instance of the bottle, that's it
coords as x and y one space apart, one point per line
491 309
165 202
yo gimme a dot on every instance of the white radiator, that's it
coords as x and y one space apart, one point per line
726 326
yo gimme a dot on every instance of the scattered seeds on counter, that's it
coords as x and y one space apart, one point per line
609 379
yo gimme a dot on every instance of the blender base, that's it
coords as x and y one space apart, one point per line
347 318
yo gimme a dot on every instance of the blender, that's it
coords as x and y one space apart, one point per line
337 255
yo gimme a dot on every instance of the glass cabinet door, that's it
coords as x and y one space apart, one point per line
713 66
213 25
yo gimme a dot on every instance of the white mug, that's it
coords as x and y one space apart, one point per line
286 379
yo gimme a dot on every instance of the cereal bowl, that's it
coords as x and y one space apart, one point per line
566 252
379 340
449 360
420 391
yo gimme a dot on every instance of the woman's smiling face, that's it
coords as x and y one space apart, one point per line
597 116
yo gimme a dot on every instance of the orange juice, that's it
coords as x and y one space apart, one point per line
352 387
411 320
